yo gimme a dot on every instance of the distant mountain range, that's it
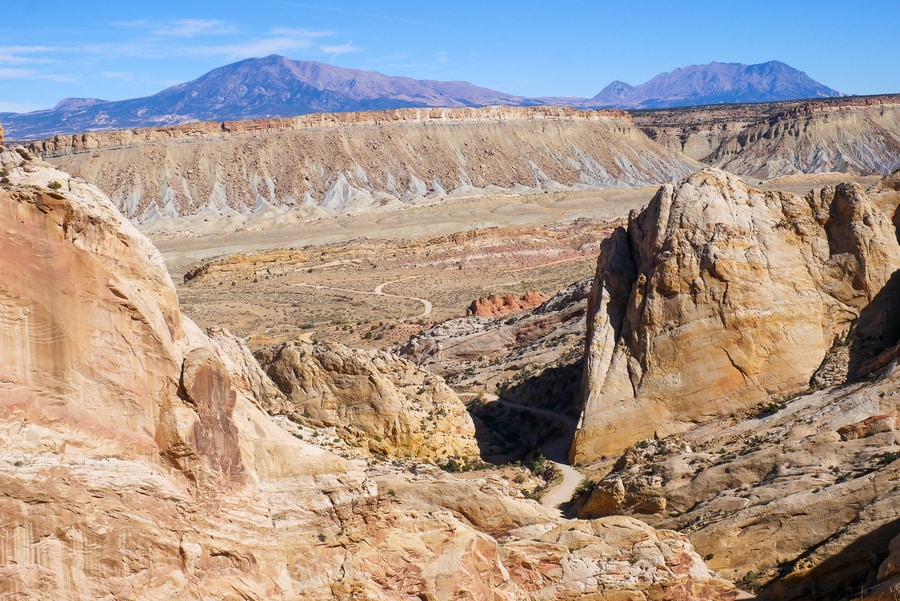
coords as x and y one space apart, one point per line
715 83
276 86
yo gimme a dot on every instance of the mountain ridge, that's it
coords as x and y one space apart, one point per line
715 83
276 86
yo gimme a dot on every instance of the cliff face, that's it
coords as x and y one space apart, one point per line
719 297
345 163
135 461
848 135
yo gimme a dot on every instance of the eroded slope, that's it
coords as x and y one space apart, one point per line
348 163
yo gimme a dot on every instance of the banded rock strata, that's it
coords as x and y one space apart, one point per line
348 163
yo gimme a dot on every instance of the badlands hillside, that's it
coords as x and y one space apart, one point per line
248 173
327 164
859 135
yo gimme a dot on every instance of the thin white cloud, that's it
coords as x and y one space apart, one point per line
14 73
365 14
188 28
442 56
17 73
281 41
301 32
117 75
13 55
347 48
252 48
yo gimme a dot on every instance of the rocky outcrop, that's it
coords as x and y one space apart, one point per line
134 463
374 399
357 162
800 494
1 134
719 297
886 195
497 305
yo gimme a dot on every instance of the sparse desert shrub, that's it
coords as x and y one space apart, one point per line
453 466
539 466
54 185
584 487
750 582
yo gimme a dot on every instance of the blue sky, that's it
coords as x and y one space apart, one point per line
50 50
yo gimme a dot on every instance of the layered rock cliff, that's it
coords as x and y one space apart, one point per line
858 135
719 297
135 462
346 163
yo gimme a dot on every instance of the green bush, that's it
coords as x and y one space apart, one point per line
54 185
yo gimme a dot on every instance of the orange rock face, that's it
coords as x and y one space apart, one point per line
497 305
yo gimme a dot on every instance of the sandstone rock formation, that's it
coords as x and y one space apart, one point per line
719 297
886 195
349 163
802 493
134 464
376 400
497 305
1 134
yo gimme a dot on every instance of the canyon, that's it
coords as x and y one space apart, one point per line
382 331
137 461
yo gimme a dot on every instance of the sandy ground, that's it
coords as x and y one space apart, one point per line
448 217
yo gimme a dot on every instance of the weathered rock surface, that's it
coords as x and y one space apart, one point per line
818 139
719 297
134 465
357 162
802 493
376 400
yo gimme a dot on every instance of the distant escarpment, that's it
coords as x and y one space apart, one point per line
719 297
858 135
344 163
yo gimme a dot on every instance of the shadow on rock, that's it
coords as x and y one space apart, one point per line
842 576
877 330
